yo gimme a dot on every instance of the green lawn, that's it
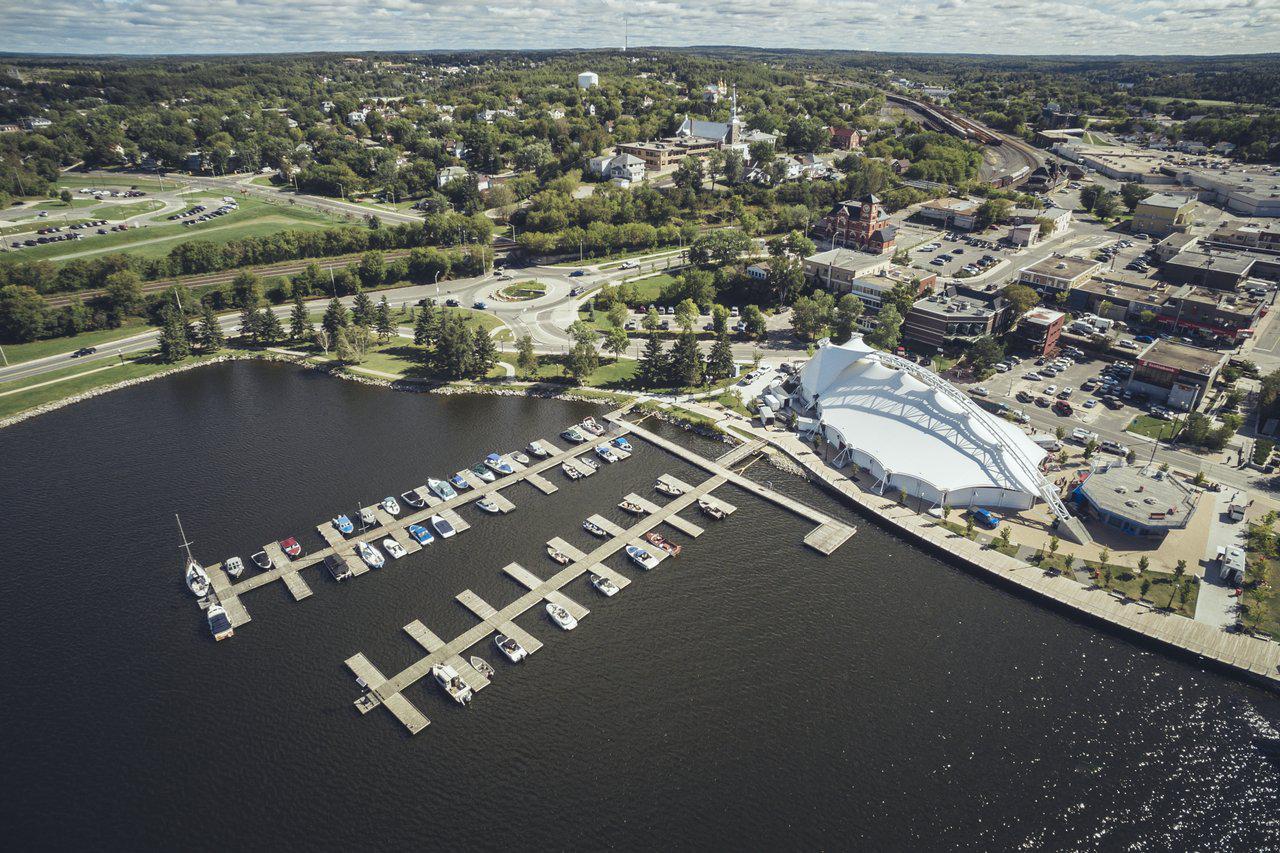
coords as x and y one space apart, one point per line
649 289
59 204
1153 427
524 290
18 353
1095 139
122 182
617 256
117 212
610 374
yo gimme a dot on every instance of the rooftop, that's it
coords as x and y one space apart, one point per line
1042 316
1145 495
1229 262
1167 352
1166 200
1065 267
846 259
953 306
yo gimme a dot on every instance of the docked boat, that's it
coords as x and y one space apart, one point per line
391 505
197 579
394 548
642 558
605 586
631 506
621 443
459 482
589 462
488 504
497 463
710 509
442 489
421 535
343 525
413 499
447 677
572 434
234 566
606 453
536 448
442 526
520 457
291 547
592 426
668 488
483 473
219 622
561 617
481 666
661 542
570 471
367 518
372 557
559 556
594 529
262 560
510 649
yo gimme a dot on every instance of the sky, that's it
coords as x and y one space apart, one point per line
947 26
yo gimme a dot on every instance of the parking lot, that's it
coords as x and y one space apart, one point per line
949 255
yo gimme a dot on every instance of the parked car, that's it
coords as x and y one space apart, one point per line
1050 390
479 304
979 390
986 518
1114 447
577 274
452 303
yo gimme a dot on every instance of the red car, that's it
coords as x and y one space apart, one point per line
1063 408
291 547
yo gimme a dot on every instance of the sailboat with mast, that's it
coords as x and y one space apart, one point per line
197 579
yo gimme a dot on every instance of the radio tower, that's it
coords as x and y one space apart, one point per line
626 32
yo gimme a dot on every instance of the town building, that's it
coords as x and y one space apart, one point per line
957 213
1175 243
1219 270
861 224
941 321
1174 373
845 138
1249 192
1248 236
1046 177
1058 218
617 167
1221 316
695 137
836 269
588 80
1162 214
1055 274
1139 501
35 122
1038 330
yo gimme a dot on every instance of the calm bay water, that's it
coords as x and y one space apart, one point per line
748 695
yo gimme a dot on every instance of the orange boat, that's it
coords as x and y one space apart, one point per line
660 541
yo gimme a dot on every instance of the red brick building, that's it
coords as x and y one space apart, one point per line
1040 329
861 224
845 138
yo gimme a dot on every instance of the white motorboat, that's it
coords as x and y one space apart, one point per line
481 666
367 518
391 505
592 426
710 509
520 457
594 529
447 677
606 587
262 560
394 548
605 453
219 622
668 488
642 558
234 566
561 617
443 490
371 555
559 556
488 504
497 463
442 526
536 448
459 481
589 462
631 506
570 471
197 579
510 649
483 473
572 435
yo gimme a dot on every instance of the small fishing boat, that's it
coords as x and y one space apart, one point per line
499 464
234 566
570 471
594 529
520 457
394 548
442 489
367 518
589 462
413 499
592 426
447 677
488 504
421 535
219 622
606 453
661 542
262 560
642 558
561 617
559 556
632 507
344 525
371 555
621 443
606 587
481 666
459 482
442 526
536 448
710 509
572 434
668 488
483 473
291 547
511 649
391 505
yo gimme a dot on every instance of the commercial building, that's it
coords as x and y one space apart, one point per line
836 270
844 138
1038 330
958 213
1057 273
1175 373
1219 316
1058 218
1137 501
1249 191
915 433
1220 270
1248 236
1162 214
941 320
862 224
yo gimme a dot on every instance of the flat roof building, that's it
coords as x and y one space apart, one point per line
959 213
1220 270
938 321
836 269
1054 274
1162 214
1039 330
1138 501
1175 373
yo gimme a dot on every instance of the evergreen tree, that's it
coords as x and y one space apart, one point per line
362 309
300 326
652 370
428 325
453 352
335 319
382 321
483 353
174 346
686 361
211 337
342 347
720 359
270 329
249 324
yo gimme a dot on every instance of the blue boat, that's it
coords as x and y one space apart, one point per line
421 534
344 525
459 482
497 463
622 444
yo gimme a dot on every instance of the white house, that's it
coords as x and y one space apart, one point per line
588 80
449 174
626 167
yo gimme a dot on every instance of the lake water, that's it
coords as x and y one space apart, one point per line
750 694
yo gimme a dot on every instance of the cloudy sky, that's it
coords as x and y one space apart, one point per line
967 26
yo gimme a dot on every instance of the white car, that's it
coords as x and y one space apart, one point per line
1050 390
1002 368
1127 344
628 265
979 390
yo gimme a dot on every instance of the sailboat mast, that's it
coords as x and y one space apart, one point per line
185 543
